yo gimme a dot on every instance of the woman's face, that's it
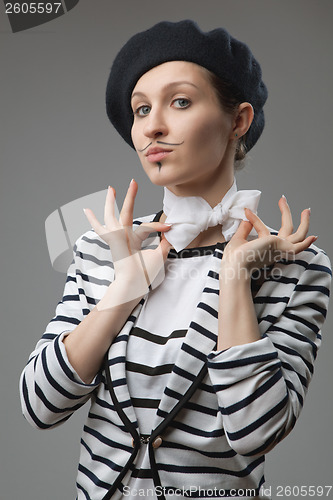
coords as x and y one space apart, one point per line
183 137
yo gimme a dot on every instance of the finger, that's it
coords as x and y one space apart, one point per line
126 214
257 223
95 224
144 230
303 245
243 230
109 215
165 247
303 228
286 218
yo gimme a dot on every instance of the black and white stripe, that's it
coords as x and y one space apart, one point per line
220 412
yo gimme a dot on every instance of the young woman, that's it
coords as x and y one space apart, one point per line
192 332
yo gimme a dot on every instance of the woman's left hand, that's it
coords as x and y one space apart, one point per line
267 248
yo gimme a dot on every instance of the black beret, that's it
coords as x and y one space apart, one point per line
216 50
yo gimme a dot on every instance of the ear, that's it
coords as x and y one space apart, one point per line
243 119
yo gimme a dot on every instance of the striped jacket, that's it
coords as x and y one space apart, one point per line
220 412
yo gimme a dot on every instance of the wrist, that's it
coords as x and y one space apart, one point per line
234 274
121 295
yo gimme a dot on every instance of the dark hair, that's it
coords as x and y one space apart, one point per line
230 98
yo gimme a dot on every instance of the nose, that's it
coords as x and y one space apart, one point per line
155 124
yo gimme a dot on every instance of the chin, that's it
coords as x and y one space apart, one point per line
167 175
158 180
155 175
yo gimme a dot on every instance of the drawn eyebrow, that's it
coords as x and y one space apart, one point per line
167 87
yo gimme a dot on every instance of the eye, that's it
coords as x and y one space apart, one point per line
142 110
181 103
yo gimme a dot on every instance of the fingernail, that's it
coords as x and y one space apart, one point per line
309 209
84 209
283 196
132 181
165 224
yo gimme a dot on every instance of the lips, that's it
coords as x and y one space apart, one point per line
157 154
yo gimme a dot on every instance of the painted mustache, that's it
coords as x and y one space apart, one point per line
161 142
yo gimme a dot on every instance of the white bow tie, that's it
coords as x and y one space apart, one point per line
190 215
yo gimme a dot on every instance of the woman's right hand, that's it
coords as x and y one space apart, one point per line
135 269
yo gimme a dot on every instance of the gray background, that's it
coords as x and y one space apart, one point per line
57 145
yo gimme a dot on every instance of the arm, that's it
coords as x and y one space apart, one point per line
50 389
262 373
87 345
241 259
64 368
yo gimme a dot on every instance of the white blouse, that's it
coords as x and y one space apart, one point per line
153 345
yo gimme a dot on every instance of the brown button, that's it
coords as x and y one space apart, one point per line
157 442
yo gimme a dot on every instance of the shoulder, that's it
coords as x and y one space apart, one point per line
314 271
316 256
308 271
317 273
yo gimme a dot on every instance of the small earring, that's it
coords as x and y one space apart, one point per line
236 135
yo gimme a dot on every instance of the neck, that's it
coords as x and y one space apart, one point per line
212 190
211 236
